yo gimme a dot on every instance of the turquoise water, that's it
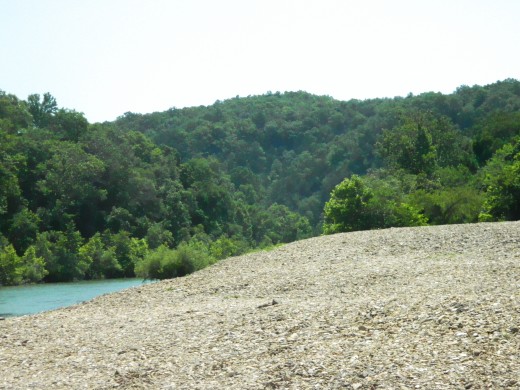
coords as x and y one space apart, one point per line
35 298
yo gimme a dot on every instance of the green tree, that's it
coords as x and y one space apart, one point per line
422 142
493 132
60 251
391 205
502 181
10 267
23 229
11 163
128 250
348 208
14 116
278 224
33 267
357 204
68 125
225 247
102 260
42 110
158 235
70 185
455 197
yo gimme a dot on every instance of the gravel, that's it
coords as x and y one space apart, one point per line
420 308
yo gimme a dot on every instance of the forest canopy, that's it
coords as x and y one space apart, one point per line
166 193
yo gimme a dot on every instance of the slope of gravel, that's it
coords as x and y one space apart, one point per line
424 308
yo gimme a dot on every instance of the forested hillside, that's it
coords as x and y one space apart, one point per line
167 193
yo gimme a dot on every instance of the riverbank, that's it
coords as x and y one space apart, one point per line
429 307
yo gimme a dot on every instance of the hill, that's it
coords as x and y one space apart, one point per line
107 200
425 307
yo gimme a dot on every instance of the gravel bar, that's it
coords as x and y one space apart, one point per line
409 308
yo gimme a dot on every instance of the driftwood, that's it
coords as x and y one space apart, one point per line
423 308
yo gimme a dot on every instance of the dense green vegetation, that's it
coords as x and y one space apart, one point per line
164 194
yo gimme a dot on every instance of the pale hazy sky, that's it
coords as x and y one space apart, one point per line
107 57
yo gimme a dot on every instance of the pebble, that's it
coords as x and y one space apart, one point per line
389 308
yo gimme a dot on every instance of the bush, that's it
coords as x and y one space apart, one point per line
193 257
360 204
226 247
348 208
15 269
11 269
102 260
33 270
502 181
165 263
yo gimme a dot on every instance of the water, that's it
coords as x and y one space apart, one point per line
35 298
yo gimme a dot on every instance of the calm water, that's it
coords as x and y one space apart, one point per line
21 300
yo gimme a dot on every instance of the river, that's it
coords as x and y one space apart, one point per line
35 298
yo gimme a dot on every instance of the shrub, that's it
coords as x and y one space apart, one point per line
359 204
165 263
10 267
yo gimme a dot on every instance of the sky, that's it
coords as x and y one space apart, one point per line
108 57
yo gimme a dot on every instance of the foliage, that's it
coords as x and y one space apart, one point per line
502 180
422 142
102 260
23 229
278 224
60 252
348 208
453 198
225 247
355 205
81 200
14 269
128 252
42 110
10 266
33 267
165 263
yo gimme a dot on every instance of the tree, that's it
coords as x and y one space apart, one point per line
102 260
10 266
493 132
128 251
69 125
356 205
33 267
158 235
60 251
422 142
70 184
348 208
278 224
225 247
502 180
23 229
42 111
14 116
454 198
11 163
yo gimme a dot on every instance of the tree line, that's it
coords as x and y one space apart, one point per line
163 194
